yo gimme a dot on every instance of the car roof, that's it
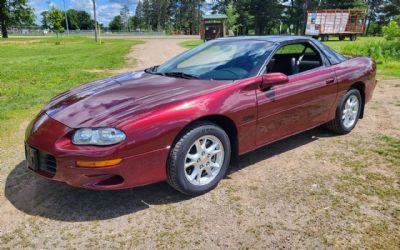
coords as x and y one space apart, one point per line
271 38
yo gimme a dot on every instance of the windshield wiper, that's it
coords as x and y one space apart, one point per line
152 70
181 75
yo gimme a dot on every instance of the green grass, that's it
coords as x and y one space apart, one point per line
389 67
191 44
33 70
390 150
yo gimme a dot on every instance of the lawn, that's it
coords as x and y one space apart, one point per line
32 70
387 68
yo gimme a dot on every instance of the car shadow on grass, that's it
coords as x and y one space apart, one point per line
37 196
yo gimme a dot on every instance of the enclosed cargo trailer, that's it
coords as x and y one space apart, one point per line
337 22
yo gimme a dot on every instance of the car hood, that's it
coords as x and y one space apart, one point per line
108 102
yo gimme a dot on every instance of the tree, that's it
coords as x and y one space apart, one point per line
266 16
146 12
56 18
374 8
85 22
139 15
188 15
124 14
391 10
73 21
15 12
391 31
334 4
116 24
231 13
45 19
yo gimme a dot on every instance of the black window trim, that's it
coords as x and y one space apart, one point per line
325 61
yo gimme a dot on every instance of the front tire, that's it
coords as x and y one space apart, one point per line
347 113
199 159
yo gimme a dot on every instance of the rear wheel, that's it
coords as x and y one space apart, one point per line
342 37
324 38
347 113
199 159
353 37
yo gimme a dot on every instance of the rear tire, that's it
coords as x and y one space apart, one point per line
199 159
342 38
324 38
353 37
347 113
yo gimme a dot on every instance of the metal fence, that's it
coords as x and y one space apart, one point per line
35 31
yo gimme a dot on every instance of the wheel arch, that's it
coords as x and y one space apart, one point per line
227 124
360 86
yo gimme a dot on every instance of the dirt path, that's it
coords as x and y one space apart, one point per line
313 190
152 52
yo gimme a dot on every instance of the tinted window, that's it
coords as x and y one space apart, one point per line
333 56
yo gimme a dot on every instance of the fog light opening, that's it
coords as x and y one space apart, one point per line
111 181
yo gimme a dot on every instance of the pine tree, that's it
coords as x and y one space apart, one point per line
15 12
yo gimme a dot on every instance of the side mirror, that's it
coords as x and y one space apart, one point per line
273 79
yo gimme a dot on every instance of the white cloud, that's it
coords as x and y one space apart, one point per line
125 2
105 12
85 5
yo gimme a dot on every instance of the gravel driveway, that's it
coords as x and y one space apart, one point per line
301 192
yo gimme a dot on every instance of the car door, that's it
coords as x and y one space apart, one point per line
302 103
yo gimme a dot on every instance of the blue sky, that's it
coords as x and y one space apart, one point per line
106 9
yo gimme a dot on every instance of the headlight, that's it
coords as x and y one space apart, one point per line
98 136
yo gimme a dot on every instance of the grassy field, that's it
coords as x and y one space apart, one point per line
32 70
387 68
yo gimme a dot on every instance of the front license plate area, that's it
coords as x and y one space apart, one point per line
32 157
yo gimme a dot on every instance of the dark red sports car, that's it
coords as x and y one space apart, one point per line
184 120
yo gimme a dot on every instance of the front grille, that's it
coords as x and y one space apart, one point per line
47 162
40 161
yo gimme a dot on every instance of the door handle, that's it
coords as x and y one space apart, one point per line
329 81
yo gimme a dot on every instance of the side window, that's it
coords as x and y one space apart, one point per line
291 49
295 58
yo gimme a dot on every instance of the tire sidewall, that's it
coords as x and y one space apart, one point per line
339 111
181 157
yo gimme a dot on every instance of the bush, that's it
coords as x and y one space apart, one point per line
391 31
380 50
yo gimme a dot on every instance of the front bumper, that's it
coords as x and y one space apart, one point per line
51 140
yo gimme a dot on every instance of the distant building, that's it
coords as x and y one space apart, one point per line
213 26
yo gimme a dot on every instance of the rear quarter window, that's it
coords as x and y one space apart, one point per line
333 56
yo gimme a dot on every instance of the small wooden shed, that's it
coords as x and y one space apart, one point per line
213 26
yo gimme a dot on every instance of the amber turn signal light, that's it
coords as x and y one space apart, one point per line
98 164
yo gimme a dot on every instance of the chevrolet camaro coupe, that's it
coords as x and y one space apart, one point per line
183 121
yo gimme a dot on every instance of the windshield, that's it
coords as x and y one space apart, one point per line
218 60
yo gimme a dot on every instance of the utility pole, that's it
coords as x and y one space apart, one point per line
66 18
95 21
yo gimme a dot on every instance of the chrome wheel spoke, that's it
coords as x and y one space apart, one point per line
208 171
204 160
195 173
194 157
350 111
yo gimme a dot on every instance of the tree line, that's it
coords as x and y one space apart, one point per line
161 15
247 16
76 19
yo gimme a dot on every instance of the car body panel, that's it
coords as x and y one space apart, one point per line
153 111
297 105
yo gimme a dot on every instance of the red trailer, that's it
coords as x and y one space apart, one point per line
338 22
